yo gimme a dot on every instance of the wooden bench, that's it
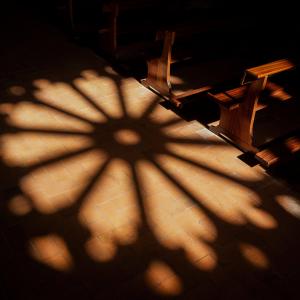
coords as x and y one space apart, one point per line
284 149
238 107
192 56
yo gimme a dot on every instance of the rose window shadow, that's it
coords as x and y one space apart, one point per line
171 266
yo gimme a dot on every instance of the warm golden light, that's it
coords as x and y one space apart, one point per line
109 70
101 249
254 255
131 174
51 250
89 74
19 205
207 263
261 218
17 90
127 137
290 204
6 109
163 279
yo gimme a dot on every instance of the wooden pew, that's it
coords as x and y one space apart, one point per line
281 150
191 56
159 74
238 108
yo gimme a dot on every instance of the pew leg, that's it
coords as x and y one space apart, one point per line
237 123
158 76
236 127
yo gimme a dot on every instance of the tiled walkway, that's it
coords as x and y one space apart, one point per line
106 194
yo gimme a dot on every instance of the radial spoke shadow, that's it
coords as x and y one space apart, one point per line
91 102
135 249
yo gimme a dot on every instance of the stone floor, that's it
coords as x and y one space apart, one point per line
107 194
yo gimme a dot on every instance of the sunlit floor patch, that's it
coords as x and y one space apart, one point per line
101 249
127 137
19 205
17 90
255 256
121 165
290 204
162 279
51 250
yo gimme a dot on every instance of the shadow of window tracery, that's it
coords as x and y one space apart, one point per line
149 256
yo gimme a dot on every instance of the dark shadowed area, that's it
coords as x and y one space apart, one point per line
109 192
